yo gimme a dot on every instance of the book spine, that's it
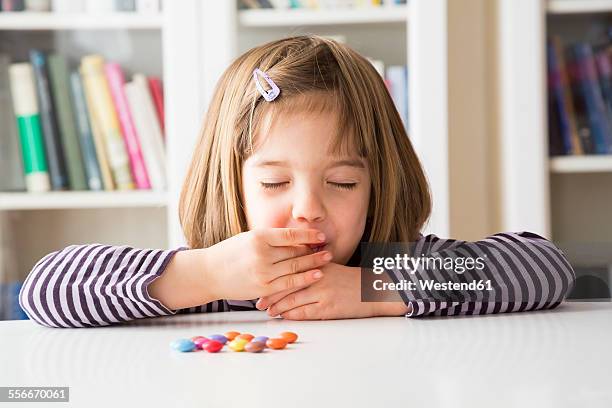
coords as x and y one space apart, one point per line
568 100
58 74
157 93
116 82
554 85
67 6
98 139
598 120
398 77
152 146
11 162
25 106
92 69
125 5
53 143
88 149
13 5
38 5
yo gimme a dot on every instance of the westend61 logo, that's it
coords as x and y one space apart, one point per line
412 264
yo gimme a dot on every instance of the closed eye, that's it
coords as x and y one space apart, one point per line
273 186
344 186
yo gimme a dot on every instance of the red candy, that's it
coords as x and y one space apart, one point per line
291 337
213 346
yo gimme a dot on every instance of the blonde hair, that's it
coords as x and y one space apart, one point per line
313 74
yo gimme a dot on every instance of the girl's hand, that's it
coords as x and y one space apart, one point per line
336 296
261 262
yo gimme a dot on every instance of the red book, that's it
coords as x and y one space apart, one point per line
157 92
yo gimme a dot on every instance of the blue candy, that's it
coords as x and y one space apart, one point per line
219 337
262 339
183 345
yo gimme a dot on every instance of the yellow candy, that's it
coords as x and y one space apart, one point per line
238 344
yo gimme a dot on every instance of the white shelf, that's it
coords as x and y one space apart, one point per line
578 6
80 21
82 199
309 17
581 164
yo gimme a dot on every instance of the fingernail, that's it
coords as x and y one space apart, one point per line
317 274
327 256
321 236
258 305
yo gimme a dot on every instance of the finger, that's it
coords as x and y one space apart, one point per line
291 301
287 252
295 280
293 236
311 311
265 301
300 264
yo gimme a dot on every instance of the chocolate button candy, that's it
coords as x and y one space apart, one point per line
255 347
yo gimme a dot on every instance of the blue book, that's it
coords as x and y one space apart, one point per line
88 148
599 122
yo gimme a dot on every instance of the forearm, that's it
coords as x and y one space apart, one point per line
184 282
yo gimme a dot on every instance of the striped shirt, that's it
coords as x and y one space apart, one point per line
99 285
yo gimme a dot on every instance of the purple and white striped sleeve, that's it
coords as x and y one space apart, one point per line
99 285
525 271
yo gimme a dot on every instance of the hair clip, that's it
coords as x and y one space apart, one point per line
268 95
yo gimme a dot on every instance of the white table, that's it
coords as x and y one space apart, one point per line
554 358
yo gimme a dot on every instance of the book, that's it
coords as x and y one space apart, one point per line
67 6
125 5
560 86
38 5
25 106
149 131
600 126
58 75
13 5
99 143
88 147
11 162
157 93
116 82
398 79
53 144
99 95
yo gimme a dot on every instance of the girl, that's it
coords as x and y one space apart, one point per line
302 156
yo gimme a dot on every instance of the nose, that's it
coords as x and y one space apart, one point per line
308 206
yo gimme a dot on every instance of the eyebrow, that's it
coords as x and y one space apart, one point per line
338 163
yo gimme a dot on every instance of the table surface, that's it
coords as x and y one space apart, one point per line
560 357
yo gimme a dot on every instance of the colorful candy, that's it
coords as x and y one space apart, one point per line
183 345
276 343
213 346
236 341
245 336
200 342
237 344
219 337
291 337
231 335
255 347
261 339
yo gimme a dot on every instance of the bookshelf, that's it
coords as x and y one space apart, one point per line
36 224
565 198
39 21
